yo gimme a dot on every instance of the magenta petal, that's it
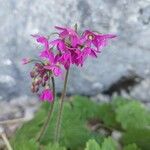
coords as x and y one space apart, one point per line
57 71
61 46
39 38
43 40
60 28
44 54
57 57
64 31
25 61
66 60
74 41
47 95
47 54
54 42
93 53
108 35
59 43
48 67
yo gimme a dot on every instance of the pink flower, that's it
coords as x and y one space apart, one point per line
69 33
66 60
54 68
25 61
87 51
69 48
75 52
47 95
59 44
47 54
94 39
43 40
52 64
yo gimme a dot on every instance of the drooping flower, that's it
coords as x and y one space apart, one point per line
47 54
74 56
59 43
87 51
42 40
69 33
54 68
90 39
52 63
25 61
66 60
47 95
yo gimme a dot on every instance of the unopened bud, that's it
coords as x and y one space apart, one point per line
45 77
32 74
42 72
38 81
26 61
39 66
36 89
43 83
32 88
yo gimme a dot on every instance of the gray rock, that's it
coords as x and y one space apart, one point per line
142 91
129 19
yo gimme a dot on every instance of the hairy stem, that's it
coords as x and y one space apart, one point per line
58 123
48 119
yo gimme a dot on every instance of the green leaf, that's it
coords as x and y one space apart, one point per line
132 115
92 145
109 144
26 145
131 147
119 101
107 115
74 130
88 108
54 147
141 137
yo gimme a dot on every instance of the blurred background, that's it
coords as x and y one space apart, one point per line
123 68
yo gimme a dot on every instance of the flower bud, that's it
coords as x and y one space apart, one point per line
39 66
45 77
32 88
38 81
36 89
42 73
32 74
43 83
26 61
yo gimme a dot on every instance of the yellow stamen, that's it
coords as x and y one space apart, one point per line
91 37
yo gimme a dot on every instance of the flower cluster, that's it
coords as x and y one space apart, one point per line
68 48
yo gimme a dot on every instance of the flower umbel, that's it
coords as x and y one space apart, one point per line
56 58
69 48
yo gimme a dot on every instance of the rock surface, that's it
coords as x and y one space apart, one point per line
129 53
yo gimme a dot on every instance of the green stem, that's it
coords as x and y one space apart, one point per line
58 123
47 121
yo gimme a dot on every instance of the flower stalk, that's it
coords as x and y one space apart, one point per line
49 116
58 123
